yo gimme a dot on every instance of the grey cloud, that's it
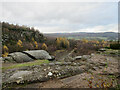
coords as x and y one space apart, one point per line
67 16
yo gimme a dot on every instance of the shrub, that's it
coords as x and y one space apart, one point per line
115 46
19 43
44 46
5 51
36 44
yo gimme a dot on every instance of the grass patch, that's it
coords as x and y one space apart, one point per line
36 62
88 38
59 51
111 52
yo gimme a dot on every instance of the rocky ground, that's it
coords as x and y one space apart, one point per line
88 71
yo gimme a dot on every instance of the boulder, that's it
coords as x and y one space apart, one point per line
51 64
95 68
102 49
19 57
52 58
1 59
8 59
58 63
86 57
19 76
77 57
27 56
68 59
92 54
38 54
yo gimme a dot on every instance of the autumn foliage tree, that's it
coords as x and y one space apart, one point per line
44 46
19 43
62 42
5 49
85 40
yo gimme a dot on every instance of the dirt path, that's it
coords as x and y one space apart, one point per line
62 54
98 77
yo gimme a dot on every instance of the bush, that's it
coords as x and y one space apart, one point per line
115 46
107 47
44 46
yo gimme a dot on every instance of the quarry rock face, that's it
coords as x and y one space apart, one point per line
27 56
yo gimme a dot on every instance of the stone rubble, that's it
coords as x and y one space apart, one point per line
54 69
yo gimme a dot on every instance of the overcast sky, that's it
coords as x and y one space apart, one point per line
63 16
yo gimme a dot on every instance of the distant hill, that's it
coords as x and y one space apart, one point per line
90 36
12 33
